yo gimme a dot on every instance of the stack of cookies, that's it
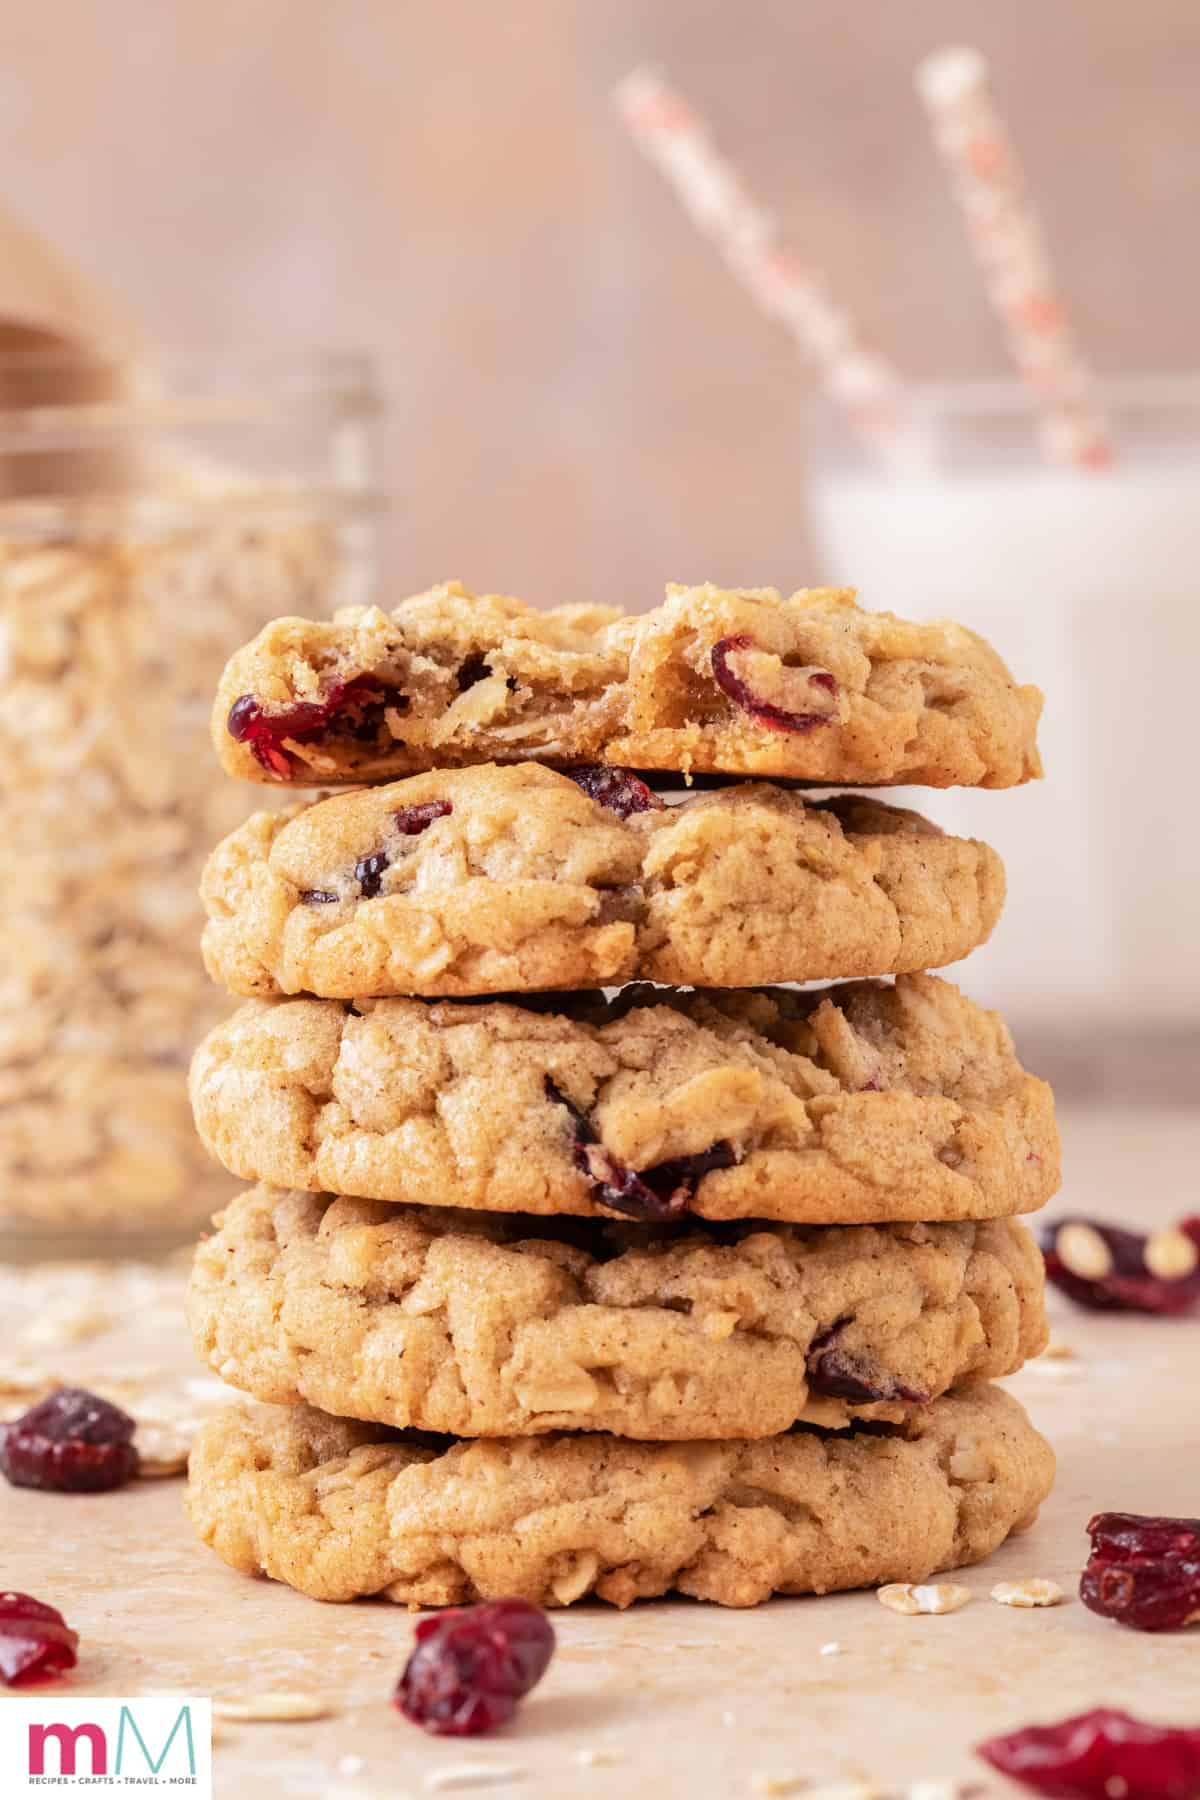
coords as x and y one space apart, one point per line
586 1253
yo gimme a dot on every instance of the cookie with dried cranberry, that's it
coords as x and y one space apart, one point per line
340 1510
863 1103
514 879
738 681
489 1325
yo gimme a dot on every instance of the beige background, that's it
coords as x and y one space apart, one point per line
583 401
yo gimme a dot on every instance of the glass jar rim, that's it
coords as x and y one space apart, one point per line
1008 396
123 391
958 429
71 519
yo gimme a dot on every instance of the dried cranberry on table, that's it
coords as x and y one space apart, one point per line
1101 1755
36 1643
472 1664
1143 1570
1110 1269
619 789
72 1443
812 693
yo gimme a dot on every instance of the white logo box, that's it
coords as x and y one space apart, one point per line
52 1744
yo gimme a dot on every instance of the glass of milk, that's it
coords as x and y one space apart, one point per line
1088 583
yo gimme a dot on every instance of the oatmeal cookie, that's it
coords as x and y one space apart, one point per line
513 879
491 1325
863 1103
738 682
338 1509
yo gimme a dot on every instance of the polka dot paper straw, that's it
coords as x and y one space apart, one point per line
677 141
1007 240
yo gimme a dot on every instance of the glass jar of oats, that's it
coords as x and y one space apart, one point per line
151 519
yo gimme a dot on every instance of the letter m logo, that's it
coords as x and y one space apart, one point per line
154 1764
67 1738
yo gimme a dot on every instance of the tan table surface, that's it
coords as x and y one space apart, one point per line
673 1697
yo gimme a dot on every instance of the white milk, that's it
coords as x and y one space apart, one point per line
1088 585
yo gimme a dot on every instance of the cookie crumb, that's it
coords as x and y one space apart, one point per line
470 1775
597 1757
22 1383
272 1708
846 1790
833 1648
351 1765
1057 1350
168 1419
59 1326
775 1784
1068 1369
1032 1591
935 1597
163 1449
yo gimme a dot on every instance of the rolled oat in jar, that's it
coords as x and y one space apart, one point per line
117 607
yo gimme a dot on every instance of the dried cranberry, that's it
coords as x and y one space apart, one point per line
848 1377
1143 1571
472 1664
1120 1280
307 719
662 1192
410 821
618 789
72 1442
471 670
732 680
36 1642
476 668
365 721
369 872
667 1189
244 715
1101 1755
